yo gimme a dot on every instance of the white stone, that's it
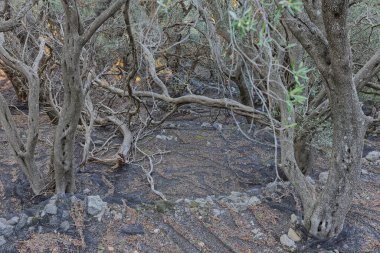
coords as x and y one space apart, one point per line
373 156
51 208
293 235
323 176
293 218
95 205
286 241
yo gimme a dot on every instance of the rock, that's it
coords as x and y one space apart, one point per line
257 233
272 187
65 214
2 240
253 201
323 176
364 172
293 235
13 221
65 226
206 124
286 241
293 218
51 208
373 156
217 212
86 191
165 137
156 231
201 244
95 205
6 229
22 222
218 126
135 229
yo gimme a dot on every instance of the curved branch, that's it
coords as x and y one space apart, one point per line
14 22
370 69
103 17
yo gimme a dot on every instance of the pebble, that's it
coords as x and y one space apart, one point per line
6 229
135 229
286 241
13 221
65 225
293 218
2 240
293 235
51 208
373 156
323 176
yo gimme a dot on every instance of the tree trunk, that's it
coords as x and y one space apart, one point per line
63 149
349 126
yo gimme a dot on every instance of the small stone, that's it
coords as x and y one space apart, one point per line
253 201
22 222
65 214
373 156
13 221
111 249
201 244
2 240
86 191
293 235
65 226
365 172
95 205
206 124
166 138
118 216
293 218
135 229
156 231
5 229
272 187
218 126
51 208
216 212
323 176
286 241
40 229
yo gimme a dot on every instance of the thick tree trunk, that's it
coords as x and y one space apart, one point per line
63 149
349 127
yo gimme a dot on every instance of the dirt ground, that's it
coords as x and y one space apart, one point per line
195 158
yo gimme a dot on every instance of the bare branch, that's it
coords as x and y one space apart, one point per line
370 69
103 17
14 22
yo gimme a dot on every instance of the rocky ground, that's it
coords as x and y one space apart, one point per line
221 198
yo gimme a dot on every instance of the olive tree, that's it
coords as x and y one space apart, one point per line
75 37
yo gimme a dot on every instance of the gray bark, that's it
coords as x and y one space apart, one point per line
325 215
75 37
